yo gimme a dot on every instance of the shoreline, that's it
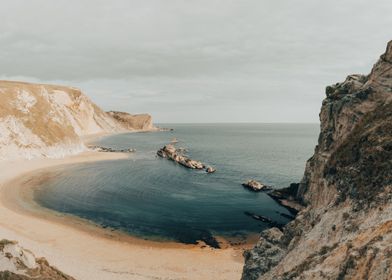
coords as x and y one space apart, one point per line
97 252
18 196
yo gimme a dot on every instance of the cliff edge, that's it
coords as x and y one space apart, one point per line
18 263
132 122
39 120
345 230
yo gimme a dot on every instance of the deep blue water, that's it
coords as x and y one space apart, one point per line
155 198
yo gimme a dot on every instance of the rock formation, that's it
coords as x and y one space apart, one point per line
48 121
134 122
210 169
345 231
20 264
110 150
255 186
177 155
287 198
170 152
264 219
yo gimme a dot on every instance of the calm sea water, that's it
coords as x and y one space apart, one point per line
154 198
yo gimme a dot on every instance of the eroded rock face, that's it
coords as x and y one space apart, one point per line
17 263
266 254
38 120
345 231
134 122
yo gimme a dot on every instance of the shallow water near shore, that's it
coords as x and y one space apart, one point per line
157 199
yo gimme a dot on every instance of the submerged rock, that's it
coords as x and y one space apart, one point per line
255 186
264 219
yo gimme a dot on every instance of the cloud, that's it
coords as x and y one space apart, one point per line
178 58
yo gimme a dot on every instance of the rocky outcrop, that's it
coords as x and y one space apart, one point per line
170 152
210 169
265 220
134 122
17 263
345 231
110 150
39 120
287 197
255 186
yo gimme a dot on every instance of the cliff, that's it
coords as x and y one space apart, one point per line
132 122
18 263
48 121
345 230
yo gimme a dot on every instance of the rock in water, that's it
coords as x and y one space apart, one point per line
345 228
264 219
210 169
287 198
170 152
111 150
255 186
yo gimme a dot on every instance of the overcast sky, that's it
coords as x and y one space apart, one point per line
195 61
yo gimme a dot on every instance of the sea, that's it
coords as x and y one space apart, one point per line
156 199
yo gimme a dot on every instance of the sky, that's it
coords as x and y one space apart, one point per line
195 61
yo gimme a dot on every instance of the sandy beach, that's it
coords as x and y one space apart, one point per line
89 252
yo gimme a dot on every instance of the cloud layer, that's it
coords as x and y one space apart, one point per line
195 61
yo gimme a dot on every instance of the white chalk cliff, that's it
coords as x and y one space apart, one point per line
39 120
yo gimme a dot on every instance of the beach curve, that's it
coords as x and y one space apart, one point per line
94 253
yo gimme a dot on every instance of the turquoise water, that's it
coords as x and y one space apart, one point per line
154 198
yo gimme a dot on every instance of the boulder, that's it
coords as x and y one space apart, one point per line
210 169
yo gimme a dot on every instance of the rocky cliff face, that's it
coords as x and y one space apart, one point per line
345 231
133 122
48 121
20 264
